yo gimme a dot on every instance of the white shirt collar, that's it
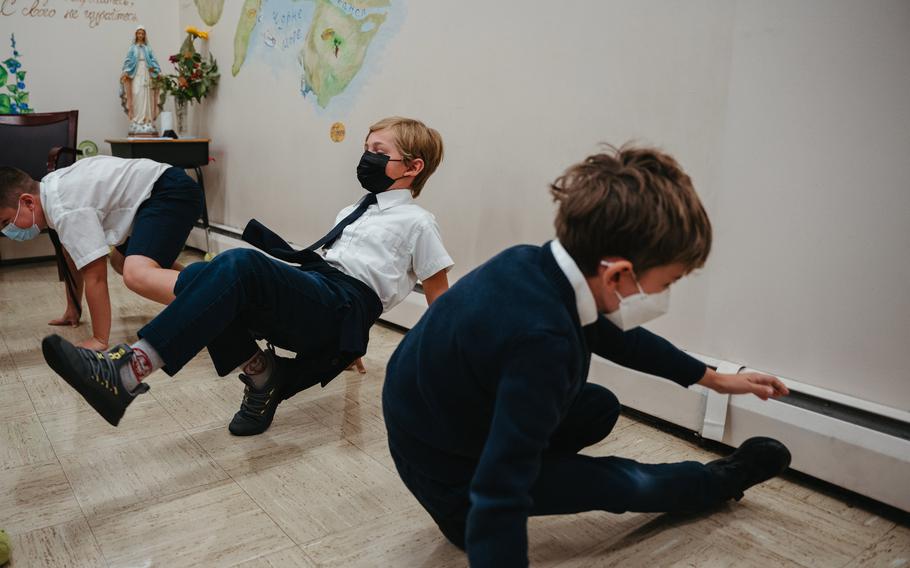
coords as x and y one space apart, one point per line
584 299
393 197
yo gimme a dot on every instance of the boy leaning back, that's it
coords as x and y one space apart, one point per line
322 309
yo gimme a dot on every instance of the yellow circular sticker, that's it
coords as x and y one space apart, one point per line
336 133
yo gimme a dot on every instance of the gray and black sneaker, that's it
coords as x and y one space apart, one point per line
94 374
756 460
257 409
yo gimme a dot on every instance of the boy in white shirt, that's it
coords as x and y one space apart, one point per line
322 309
144 209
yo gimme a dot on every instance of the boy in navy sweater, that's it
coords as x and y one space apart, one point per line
486 415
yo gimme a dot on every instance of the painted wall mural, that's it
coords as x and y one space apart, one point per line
327 42
12 80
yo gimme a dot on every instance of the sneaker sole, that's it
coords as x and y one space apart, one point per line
59 358
249 432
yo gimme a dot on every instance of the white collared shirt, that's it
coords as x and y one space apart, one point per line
92 203
390 247
584 298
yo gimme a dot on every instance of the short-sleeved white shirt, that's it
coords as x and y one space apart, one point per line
92 203
391 246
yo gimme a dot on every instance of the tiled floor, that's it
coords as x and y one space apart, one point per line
170 486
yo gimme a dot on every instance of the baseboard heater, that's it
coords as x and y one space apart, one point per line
851 443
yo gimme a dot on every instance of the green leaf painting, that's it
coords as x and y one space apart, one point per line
12 78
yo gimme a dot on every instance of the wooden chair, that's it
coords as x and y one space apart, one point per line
38 144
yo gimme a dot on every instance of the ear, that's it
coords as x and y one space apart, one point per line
29 200
611 275
415 166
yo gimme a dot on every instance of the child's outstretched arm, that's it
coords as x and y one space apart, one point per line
71 315
435 285
94 274
761 385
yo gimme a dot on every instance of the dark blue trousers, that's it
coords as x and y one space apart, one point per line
573 483
240 295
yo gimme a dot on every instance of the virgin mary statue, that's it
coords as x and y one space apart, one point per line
138 95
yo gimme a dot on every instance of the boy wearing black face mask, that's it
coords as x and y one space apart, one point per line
486 401
322 310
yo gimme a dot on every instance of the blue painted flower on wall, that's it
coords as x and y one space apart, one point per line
16 102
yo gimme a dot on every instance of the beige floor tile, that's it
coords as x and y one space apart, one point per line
556 539
326 492
85 430
23 442
35 497
348 416
379 451
287 558
50 393
199 405
216 525
769 520
70 544
15 400
635 441
294 434
108 480
891 551
402 538
161 496
9 372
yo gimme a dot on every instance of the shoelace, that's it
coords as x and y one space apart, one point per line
103 367
255 403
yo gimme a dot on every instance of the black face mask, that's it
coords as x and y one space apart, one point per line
371 172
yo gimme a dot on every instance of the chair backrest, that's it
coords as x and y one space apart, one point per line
27 140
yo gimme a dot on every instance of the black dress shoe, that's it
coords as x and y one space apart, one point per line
756 460
94 374
257 409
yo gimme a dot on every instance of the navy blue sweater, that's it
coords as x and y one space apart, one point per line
475 390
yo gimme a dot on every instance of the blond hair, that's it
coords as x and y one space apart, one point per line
633 202
414 139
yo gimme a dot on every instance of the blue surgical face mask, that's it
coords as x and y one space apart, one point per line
17 233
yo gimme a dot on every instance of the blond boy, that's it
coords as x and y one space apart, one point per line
322 309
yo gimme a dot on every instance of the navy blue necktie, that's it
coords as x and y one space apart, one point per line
330 237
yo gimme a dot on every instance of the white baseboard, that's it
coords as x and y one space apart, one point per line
857 458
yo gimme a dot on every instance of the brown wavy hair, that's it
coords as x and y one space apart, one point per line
633 202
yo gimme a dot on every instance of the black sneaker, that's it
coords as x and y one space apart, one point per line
756 460
257 409
94 374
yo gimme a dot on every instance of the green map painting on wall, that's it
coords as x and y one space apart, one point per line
210 10
329 40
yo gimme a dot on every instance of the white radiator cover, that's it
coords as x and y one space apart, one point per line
860 459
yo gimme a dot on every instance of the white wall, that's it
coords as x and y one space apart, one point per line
73 64
810 272
791 117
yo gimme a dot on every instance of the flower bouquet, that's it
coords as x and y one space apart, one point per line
195 78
